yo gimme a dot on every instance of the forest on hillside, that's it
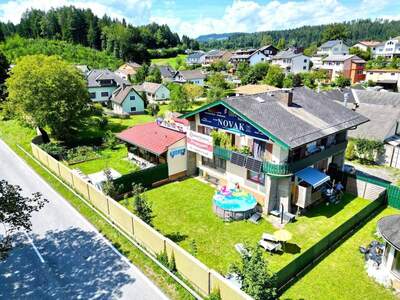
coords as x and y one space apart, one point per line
306 36
116 37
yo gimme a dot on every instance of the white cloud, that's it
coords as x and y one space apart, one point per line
135 11
250 16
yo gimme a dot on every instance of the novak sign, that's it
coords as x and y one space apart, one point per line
199 143
220 118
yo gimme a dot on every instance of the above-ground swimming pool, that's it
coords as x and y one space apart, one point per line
233 204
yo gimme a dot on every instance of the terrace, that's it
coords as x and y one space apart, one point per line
183 212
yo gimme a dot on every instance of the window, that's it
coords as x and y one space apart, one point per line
132 97
104 94
204 129
304 67
256 177
215 163
133 108
305 60
92 95
392 74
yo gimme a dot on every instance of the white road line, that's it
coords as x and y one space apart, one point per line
102 237
34 247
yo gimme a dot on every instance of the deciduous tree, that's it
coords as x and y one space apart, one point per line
193 91
15 213
180 101
49 92
275 76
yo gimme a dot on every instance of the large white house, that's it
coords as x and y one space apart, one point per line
388 49
292 62
102 83
253 56
334 47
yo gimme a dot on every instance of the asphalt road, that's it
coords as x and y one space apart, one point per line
64 257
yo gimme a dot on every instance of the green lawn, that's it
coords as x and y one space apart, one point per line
13 133
183 211
341 275
168 61
110 158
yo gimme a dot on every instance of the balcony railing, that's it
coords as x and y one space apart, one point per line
286 169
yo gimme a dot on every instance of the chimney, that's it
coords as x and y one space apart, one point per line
285 96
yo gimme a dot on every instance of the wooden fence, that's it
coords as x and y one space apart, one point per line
204 279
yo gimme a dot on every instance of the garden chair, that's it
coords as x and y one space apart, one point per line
269 237
241 249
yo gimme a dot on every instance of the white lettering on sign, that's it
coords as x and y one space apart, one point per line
230 124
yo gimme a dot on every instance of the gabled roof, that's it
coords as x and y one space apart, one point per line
120 94
191 74
266 47
150 87
310 117
369 43
96 75
166 71
152 137
196 55
330 44
133 64
286 54
345 57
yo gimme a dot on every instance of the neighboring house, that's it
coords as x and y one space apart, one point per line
350 66
195 58
125 100
367 45
253 89
253 56
329 48
127 70
84 69
388 49
167 72
334 47
292 62
291 139
383 111
102 83
190 76
387 78
215 55
154 91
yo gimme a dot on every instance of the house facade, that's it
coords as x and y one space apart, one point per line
190 76
127 70
350 66
270 139
292 62
155 92
167 72
215 55
125 100
387 78
102 83
334 47
195 58
367 46
388 49
253 56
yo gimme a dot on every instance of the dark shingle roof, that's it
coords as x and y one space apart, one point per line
339 95
166 71
191 74
286 54
195 55
312 115
119 95
95 75
376 97
389 229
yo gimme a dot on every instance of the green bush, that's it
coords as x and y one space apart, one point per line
80 154
350 153
54 149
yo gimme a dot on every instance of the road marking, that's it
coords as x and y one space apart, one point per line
34 247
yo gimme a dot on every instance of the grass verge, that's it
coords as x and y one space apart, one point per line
13 133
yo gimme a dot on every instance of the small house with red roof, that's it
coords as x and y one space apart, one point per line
160 142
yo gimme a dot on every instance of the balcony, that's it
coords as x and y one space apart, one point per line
286 169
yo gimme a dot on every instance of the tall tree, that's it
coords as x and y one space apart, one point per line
48 92
335 31
180 101
275 76
15 213
281 44
4 66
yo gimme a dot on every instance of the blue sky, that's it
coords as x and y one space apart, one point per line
196 17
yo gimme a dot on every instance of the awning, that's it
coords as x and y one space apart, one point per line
313 176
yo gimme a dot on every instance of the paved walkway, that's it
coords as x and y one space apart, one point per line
64 257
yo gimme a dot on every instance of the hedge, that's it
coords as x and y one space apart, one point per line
312 254
145 177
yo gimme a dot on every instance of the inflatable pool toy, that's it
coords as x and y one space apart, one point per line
225 191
